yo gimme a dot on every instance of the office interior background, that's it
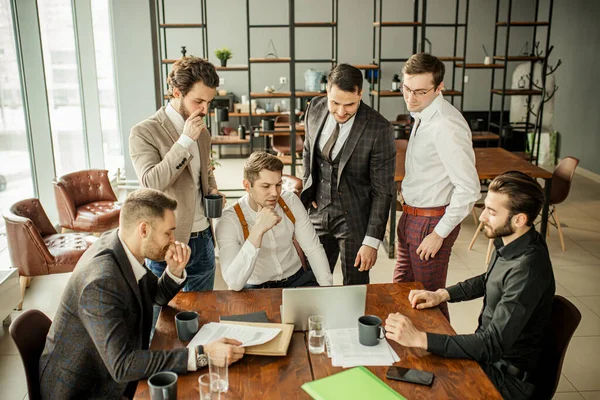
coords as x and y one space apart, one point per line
76 75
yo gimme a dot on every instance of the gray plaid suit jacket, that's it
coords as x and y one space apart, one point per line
366 172
94 347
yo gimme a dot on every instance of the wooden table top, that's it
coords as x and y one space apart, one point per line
489 162
255 377
228 140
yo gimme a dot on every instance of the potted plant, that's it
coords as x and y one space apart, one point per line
223 54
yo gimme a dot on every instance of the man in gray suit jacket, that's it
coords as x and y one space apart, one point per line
349 161
97 346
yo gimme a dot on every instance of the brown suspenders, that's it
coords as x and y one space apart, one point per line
288 213
240 214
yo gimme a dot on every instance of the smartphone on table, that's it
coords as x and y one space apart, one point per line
410 375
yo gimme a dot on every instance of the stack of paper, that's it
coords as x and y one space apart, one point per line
346 351
248 335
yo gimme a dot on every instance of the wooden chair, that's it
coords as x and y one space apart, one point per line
561 186
281 144
562 325
29 331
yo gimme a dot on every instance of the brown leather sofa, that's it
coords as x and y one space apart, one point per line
34 245
86 202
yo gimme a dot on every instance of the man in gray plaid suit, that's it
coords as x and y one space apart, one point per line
349 162
97 346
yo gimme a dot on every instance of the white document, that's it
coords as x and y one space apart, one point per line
248 335
346 351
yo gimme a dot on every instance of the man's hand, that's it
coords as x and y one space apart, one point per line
266 219
228 350
314 204
400 329
421 299
177 258
216 191
194 125
365 258
430 246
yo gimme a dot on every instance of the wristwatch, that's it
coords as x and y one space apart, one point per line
201 358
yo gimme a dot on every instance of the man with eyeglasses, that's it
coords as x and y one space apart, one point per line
440 185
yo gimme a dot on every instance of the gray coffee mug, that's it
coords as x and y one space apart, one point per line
213 205
370 331
163 386
187 325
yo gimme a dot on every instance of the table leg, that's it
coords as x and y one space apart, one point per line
546 208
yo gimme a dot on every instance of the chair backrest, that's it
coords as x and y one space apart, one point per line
282 118
292 184
562 178
403 118
29 331
564 320
26 225
32 210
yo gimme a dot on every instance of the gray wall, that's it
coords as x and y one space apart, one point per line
576 38
227 28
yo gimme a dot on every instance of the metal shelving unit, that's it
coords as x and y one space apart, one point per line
416 24
294 93
533 58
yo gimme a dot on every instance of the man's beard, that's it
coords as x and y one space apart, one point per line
185 113
503 231
153 252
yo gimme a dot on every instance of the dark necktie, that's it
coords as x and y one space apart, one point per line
328 148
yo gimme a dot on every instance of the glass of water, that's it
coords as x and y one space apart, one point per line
206 389
218 366
316 334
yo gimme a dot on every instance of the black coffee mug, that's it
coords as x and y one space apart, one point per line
370 331
186 323
163 386
213 205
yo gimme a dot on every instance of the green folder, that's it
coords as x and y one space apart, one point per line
357 383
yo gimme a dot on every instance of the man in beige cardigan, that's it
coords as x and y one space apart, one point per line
171 153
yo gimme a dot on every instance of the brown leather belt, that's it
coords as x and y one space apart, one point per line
424 212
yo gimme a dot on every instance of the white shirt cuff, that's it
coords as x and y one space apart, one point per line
371 242
442 229
192 365
185 141
177 280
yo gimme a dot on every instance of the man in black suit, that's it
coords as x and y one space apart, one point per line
97 347
349 162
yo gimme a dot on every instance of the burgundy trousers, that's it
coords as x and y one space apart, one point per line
431 273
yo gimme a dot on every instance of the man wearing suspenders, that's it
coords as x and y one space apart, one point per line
256 235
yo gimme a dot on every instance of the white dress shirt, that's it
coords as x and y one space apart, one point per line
440 164
276 259
200 220
345 129
139 271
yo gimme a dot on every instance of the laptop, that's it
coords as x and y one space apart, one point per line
341 306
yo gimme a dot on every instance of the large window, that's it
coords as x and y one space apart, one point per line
62 83
16 181
111 136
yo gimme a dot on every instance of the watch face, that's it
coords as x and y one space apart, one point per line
202 360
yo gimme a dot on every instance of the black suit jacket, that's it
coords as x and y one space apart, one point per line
366 171
95 346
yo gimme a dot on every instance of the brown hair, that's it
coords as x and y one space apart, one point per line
145 205
258 161
189 70
525 195
346 77
424 63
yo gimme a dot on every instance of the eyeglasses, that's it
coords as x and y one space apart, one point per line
417 93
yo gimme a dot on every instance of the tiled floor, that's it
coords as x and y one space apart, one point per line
577 273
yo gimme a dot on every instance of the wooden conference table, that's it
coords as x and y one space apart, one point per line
489 162
261 377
